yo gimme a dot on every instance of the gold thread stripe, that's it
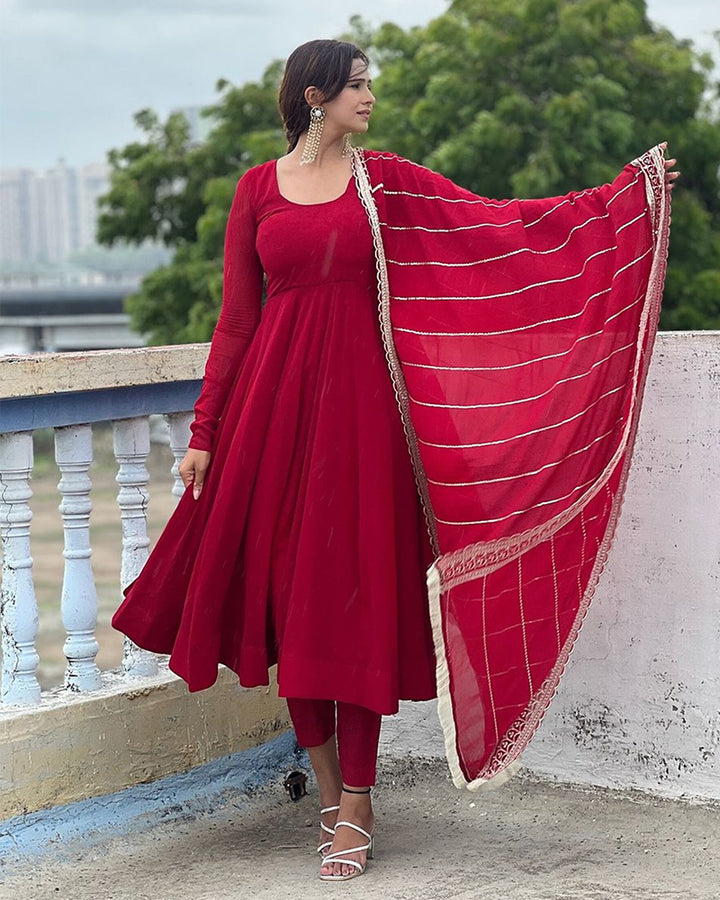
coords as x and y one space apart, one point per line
529 399
502 224
523 631
515 625
631 222
500 204
520 365
516 437
449 230
477 262
527 287
504 203
622 190
521 327
632 262
534 471
519 512
556 592
487 658
488 200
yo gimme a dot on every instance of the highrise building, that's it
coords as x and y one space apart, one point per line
47 214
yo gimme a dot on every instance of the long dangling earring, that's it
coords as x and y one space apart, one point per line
312 138
347 147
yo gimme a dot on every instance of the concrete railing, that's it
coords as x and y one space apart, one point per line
68 393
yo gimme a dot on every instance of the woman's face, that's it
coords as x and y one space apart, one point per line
350 110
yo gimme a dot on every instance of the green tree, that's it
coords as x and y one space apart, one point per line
169 190
540 97
506 97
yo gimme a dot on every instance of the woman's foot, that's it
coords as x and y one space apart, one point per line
355 808
324 760
328 818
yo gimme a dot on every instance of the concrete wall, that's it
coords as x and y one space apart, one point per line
134 730
639 705
77 745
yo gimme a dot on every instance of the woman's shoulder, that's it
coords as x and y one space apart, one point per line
255 186
258 174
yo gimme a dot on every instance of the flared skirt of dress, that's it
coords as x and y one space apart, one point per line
307 546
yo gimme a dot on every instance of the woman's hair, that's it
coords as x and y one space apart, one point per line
324 64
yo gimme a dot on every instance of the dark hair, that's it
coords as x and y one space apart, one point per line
325 64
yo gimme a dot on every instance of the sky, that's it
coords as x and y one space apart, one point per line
73 73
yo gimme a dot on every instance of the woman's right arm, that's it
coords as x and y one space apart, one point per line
239 318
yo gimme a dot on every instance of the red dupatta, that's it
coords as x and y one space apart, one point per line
518 335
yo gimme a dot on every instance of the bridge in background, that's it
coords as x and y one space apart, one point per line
66 317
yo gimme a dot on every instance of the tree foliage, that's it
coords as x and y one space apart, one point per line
506 97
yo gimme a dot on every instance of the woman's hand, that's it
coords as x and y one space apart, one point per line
670 175
192 469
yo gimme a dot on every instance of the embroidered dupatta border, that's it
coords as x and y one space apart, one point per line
364 188
477 560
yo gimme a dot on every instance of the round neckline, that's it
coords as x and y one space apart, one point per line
320 203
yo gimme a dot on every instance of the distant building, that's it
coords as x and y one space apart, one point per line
47 214
16 239
93 182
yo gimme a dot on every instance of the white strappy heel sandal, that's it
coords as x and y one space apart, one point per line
324 847
338 856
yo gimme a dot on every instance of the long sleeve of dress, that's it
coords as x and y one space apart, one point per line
239 317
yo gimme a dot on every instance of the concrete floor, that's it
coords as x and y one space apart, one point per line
524 841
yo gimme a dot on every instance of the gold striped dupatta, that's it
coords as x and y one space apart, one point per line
518 335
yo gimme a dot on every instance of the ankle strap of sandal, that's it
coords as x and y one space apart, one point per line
350 791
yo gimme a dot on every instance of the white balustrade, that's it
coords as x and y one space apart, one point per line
28 386
179 437
73 454
78 599
131 439
18 606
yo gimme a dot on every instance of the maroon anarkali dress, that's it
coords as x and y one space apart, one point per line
307 545
516 335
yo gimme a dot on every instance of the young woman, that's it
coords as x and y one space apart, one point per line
310 516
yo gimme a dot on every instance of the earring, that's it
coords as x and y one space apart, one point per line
347 147
312 138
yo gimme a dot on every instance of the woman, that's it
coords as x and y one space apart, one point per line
306 540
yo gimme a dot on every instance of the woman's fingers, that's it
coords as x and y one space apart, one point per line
671 175
192 470
185 473
198 483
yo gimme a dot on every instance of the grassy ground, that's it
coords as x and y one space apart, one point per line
46 537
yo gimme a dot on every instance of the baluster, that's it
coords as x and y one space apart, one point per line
73 454
132 446
18 606
179 437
